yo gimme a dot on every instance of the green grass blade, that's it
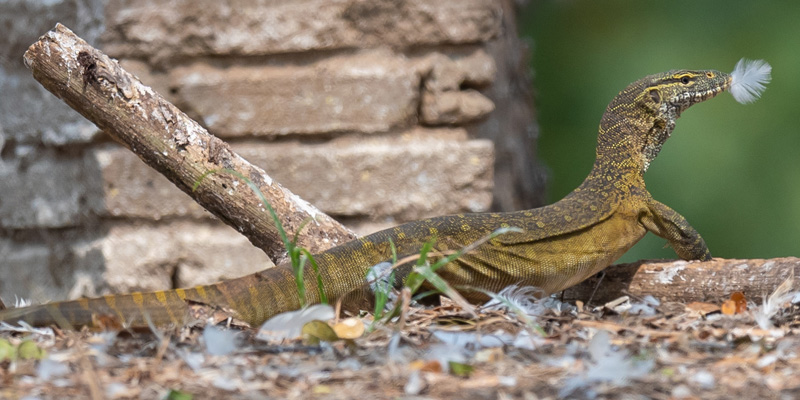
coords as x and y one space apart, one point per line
295 253
323 298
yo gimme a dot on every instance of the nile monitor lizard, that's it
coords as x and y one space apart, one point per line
558 246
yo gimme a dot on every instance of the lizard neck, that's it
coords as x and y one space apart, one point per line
619 161
631 134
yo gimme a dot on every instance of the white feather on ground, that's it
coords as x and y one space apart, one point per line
774 304
219 342
748 80
289 325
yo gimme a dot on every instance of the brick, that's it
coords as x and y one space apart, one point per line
444 99
368 92
26 274
478 67
425 22
121 257
42 188
193 253
47 265
454 107
417 174
161 31
409 177
131 189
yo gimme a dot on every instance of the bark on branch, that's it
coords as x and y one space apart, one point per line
174 144
683 281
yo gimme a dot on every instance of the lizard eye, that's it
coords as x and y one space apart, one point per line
685 80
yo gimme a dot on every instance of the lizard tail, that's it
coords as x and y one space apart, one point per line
252 298
108 312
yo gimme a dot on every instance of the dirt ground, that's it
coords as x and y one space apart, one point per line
638 348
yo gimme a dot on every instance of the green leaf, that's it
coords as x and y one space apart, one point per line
323 298
435 280
178 395
459 369
299 267
317 331
7 350
290 246
394 251
29 350
443 287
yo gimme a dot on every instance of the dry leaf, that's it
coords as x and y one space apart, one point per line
350 328
741 302
489 355
426 365
737 304
321 389
728 307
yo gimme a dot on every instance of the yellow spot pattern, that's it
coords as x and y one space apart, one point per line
138 299
112 304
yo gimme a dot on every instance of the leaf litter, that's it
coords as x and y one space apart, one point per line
517 347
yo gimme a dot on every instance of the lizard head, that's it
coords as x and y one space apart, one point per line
658 100
665 96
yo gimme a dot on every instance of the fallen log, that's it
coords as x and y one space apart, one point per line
687 281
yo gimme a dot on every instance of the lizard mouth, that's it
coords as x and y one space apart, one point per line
711 93
685 100
696 97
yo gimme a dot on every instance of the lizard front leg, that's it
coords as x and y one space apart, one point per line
668 224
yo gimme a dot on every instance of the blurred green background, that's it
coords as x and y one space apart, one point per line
732 170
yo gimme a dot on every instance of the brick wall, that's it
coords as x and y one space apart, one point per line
377 112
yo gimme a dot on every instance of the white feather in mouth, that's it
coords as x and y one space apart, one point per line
748 79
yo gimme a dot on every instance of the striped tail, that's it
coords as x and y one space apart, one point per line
252 298
163 308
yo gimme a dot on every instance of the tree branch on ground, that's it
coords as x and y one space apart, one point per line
688 281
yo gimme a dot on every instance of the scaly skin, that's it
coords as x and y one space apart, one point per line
560 245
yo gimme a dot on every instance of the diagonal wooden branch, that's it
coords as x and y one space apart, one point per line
174 144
